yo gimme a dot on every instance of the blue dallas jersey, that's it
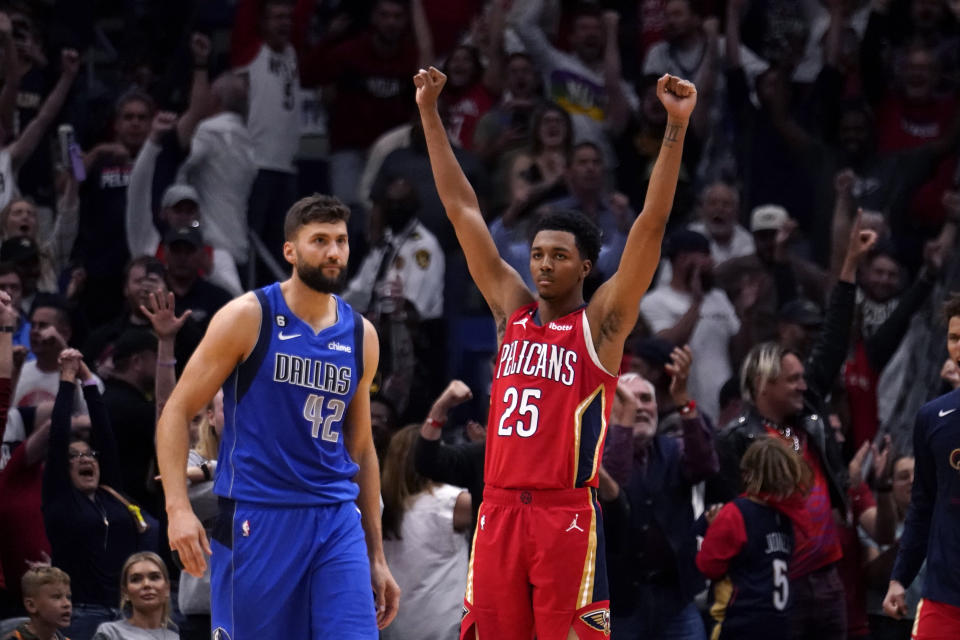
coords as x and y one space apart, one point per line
284 408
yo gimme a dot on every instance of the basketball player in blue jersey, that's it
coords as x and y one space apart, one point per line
298 543
932 528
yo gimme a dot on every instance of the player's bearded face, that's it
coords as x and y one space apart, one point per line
316 276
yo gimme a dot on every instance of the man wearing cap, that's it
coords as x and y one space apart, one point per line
180 207
689 310
183 249
777 276
798 323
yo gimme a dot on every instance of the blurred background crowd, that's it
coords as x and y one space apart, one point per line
149 151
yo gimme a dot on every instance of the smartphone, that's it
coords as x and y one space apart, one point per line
71 156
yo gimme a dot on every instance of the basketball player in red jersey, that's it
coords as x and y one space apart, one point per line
537 566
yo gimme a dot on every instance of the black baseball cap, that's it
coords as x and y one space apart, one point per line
805 313
18 249
190 235
686 241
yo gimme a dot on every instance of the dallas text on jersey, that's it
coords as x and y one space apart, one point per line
312 374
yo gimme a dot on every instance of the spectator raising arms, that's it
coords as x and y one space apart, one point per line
92 528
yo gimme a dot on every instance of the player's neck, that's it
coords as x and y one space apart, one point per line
550 310
317 309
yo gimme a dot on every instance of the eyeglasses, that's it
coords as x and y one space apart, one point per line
91 454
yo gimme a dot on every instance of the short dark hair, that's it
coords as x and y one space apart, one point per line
52 301
586 10
586 234
149 264
6 268
134 95
130 343
883 248
315 208
951 308
585 144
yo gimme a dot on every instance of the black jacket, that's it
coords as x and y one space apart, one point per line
821 371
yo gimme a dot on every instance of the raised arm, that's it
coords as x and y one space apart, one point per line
11 77
614 308
23 146
359 443
230 338
199 89
501 286
165 325
142 235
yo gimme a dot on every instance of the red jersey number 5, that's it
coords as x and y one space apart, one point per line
528 413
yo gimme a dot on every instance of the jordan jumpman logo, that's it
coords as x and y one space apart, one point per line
574 525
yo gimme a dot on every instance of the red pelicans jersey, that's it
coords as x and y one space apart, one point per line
549 405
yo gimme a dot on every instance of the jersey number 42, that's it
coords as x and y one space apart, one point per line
323 415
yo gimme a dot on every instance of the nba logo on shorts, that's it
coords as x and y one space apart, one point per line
245 528
220 634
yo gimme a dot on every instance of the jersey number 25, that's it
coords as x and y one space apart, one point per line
528 413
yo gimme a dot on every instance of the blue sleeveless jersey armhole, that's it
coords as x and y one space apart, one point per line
358 342
248 369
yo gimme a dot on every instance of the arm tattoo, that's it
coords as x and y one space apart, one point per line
672 135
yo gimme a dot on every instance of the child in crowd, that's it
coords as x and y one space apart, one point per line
46 597
749 542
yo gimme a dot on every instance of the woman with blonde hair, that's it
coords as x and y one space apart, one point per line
424 525
144 600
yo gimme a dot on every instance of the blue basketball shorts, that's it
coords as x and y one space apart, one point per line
283 572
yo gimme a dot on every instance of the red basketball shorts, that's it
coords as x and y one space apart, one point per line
537 567
936 621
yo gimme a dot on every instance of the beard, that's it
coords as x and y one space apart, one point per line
313 277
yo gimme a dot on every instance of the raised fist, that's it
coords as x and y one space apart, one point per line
429 84
678 97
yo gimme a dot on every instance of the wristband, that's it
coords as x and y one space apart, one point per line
206 471
433 422
688 408
167 363
92 382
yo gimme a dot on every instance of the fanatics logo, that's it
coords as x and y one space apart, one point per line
560 327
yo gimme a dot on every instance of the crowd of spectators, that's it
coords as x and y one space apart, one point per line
148 154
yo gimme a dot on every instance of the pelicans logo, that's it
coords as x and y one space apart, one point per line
955 459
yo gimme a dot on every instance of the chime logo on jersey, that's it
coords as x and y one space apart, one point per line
537 359
598 619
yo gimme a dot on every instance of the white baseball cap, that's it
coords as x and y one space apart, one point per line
768 217
178 193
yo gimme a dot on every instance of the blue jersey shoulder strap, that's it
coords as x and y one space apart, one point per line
248 368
